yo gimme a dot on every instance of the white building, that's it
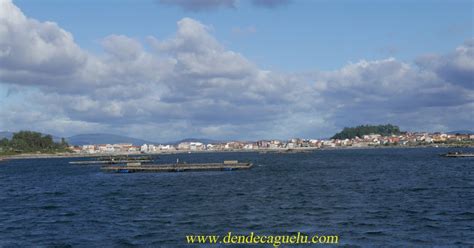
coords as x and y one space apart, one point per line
108 148
133 149
196 146
144 148
184 146
88 149
249 146
165 147
152 148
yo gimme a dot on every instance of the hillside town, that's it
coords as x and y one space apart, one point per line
373 140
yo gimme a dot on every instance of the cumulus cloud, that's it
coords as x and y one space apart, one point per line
191 85
456 67
27 45
385 90
122 47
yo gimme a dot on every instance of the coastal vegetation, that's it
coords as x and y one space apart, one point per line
31 142
360 131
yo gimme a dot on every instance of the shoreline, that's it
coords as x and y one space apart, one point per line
262 151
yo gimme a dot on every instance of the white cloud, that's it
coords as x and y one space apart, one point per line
191 85
122 47
456 67
27 45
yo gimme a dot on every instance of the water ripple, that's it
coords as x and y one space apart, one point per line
404 197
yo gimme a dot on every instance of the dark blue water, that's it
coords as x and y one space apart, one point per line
379 197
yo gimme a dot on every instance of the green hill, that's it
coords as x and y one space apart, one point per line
359 131
28 142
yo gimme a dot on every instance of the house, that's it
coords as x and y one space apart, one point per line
194 146
184 146
144 148
89 149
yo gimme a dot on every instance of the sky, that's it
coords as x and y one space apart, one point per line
164 70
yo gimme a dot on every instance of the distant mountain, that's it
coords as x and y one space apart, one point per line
202 140
104 138
461 132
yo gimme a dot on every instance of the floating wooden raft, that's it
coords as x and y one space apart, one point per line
110 161
458 155
136 167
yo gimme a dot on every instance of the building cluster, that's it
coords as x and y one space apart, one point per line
121 148
406 139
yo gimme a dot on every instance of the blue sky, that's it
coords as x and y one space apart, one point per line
229 69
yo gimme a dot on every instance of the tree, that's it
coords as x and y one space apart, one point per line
4 142
359 131
63 143
28 141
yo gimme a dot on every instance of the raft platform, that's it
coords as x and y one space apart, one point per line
117 160
457 155
111 161
179 167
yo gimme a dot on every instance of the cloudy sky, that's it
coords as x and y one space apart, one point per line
235 69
